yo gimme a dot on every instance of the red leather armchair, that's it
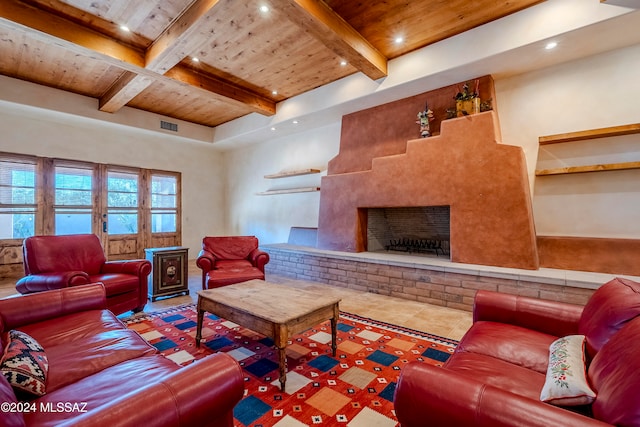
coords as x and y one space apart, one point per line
55 262
496 374
230 259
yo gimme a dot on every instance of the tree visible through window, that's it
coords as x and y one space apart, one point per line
73 200
122 202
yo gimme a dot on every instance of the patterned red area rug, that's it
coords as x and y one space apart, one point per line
355 388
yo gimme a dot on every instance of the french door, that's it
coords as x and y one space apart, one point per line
129 209
122 213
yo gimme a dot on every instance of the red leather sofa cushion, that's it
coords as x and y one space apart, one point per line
611 307
128 375
98 339
615 377
230 272
7 396
504 375
510 343
116 284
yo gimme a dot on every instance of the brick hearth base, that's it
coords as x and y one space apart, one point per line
430 280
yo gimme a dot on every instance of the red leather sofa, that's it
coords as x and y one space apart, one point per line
102 374
55 262
230 259
496 374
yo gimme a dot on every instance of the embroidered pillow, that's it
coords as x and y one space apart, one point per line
25 364
566 382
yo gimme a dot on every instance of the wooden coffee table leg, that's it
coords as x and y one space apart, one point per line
199 327
334 329
282 367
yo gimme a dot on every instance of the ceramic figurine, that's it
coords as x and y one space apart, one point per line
424 117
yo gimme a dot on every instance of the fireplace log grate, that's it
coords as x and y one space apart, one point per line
417 245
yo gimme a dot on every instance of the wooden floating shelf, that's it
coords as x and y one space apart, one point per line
590 134
292 173
589 168
289 191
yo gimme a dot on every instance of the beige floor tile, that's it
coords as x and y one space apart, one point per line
437 320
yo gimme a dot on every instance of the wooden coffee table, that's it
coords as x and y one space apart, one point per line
276 311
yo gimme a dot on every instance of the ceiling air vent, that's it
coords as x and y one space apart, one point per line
169 126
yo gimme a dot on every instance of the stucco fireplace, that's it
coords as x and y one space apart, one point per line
466 168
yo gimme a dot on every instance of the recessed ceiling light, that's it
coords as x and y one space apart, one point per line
274 92
124 28
195 59
273 128
343 63
399 39
551 45
295 122
264 8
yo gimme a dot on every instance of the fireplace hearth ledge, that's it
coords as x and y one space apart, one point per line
548 276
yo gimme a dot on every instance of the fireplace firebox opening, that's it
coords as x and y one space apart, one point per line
414 230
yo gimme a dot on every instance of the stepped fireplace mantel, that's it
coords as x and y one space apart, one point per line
467 168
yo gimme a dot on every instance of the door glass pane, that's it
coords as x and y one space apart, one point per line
164 204
122 193
17 223
122 222
122 190
17 199
163 222
73 221
73 200
163 201
73 186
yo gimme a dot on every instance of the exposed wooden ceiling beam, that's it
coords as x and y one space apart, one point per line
54 29
177 41
329 28
127 87
247 98
180 38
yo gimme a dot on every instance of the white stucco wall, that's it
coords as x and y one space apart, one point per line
271 217
35 131
595 92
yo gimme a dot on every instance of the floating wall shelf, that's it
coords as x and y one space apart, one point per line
590 134
589 168
292 173
289 191
587 135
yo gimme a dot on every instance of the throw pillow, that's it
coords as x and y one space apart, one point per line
25 364
566 381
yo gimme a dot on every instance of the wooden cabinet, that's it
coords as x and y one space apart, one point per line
169 276
587 135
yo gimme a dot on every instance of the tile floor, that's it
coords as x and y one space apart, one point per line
437 320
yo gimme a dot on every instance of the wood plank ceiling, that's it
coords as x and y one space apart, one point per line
248 59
